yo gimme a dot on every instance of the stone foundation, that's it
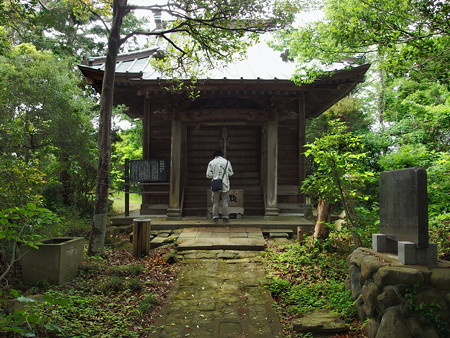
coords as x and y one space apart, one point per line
397 300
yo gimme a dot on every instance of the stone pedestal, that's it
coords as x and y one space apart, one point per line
409 253
397 300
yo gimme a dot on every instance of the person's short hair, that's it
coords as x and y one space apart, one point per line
218 153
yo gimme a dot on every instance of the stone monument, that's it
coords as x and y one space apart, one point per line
404 217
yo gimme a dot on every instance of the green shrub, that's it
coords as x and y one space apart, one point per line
135 284
113 284
148 303
127 270
304 278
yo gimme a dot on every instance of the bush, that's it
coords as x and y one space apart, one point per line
303 278
148 303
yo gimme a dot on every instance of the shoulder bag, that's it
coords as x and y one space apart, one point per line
217 184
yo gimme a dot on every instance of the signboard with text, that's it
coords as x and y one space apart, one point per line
149 170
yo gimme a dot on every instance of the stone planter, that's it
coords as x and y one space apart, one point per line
57 260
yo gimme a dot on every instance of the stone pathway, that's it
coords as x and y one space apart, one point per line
220 298
248 238
216 238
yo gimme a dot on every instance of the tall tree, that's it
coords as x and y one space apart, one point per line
407 37
200 31
65 27
45 115
339 176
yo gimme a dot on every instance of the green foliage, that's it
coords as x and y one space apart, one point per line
127 144
407 156
430 312
419 113
24 321
210 34
123 270
148 303
81 310
46 123
439 229
112 296
350 110
21 225
302 279
340 174
338 157
22 182
414 43
113 284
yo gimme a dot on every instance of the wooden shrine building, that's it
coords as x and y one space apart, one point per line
251 110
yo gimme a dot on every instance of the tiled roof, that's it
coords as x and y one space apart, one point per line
260 63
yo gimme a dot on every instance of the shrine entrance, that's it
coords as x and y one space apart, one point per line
242 146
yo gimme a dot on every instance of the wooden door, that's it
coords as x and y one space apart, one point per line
242 146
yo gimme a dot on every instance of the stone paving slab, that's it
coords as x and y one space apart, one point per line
208 238
219 299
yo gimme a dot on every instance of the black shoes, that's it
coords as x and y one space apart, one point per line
225 220
216 220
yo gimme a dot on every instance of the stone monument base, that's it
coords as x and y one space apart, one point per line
397 300
408 252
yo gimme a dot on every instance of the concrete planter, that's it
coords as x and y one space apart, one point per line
57 260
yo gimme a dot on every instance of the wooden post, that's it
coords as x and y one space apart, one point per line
301 142
174 209
272 167
127 187
141 237
299 234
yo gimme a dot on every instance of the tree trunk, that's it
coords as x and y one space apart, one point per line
323 217
97 237
65 178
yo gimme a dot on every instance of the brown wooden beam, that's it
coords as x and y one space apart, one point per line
272 167
174 209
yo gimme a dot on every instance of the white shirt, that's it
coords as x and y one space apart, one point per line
216 169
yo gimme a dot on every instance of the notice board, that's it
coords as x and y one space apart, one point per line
149 170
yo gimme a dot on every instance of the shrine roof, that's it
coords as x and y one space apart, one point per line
260 63
262 72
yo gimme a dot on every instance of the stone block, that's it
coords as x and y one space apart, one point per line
381 243
393 324
440 278
369 293
371 328
389 297
410 254
391 275
407 252
320 322
355 281
367 261
278 235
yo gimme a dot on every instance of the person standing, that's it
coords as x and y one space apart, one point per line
220 168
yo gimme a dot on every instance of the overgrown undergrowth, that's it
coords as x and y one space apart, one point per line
303 279
113 296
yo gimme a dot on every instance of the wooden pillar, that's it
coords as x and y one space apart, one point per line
272 167
301 142
174 209
146 151
146 122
